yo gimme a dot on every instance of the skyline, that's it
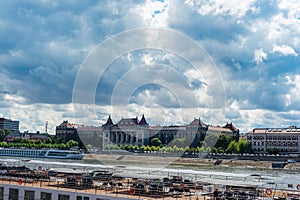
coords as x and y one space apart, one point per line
254 46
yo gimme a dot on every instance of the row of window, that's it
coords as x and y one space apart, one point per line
273 143
21 152
30 195
281 150
280 143
275 137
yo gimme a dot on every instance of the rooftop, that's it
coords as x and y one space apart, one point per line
287 130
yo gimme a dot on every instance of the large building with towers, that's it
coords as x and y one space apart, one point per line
136 131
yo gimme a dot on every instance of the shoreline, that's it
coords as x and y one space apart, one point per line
114 159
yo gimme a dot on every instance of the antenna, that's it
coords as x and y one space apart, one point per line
46 127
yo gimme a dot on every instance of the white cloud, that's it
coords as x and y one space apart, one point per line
234 8
291 6
292 97
13 98
284 50
152 13
44 45
259 56
147 59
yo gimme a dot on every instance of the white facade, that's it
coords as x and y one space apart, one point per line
283 140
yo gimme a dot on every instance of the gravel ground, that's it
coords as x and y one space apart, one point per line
156 160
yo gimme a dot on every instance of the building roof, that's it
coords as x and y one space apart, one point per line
219 129
128 122
143 121
198 123
109 121
38 136
66 124
26 135
288 130
231 127
167 128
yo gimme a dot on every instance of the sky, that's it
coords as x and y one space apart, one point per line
223 61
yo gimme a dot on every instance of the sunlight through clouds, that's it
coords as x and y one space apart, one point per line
253 44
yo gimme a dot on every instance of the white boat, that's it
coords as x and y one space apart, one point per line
42 153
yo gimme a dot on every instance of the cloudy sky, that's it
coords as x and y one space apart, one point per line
248 71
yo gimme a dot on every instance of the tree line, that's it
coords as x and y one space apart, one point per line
49 143
37 144
211 144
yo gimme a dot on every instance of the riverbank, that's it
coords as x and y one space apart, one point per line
113 159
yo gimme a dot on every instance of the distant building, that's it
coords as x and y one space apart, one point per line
135 131
9 124
84 135
26 136
66 131
193 132
282 140
138 132
126 131
229 129
90 135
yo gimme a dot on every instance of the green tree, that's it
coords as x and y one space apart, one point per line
49 140
223 141
4 133
17 140
156 142
187 149
52 138
163 149
72 143
175 148
243 146
169 149
148 148
214 150
89 146
231 148
208 149
143 148
3 144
